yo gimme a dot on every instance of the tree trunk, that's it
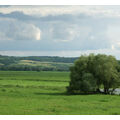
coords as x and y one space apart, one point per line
98 90
106 90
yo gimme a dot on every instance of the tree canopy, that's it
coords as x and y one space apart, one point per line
91 73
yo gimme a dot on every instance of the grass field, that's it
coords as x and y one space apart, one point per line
43 64
44 93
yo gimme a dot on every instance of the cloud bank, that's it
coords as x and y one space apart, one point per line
60 28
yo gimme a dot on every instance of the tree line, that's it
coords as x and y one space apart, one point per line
32 68
11 63
12 59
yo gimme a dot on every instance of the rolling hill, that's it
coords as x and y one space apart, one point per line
36 63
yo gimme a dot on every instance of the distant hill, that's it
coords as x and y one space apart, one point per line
36 63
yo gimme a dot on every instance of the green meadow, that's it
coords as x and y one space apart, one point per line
44 93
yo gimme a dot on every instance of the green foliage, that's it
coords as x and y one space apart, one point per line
88 83
35 63
91 72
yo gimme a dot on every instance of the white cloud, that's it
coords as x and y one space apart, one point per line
3 36
112 47
92 37
64 35
113 34
82 29
35 32
12 29
67 33
59 10
115 53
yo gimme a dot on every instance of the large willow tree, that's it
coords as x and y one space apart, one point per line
94 72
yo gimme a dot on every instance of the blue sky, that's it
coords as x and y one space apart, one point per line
59 30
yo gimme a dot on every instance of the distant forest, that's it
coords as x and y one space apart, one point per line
36 63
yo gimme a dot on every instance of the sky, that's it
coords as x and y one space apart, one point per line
67 31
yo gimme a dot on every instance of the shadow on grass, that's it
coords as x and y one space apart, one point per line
39 80
66 94
56 94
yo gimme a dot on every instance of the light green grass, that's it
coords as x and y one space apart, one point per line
25 93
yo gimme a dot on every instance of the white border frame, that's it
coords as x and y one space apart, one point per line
59 2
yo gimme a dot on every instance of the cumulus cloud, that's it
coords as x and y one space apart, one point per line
64 34
69 32
11 29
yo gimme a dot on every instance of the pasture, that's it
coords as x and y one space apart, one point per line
44 93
